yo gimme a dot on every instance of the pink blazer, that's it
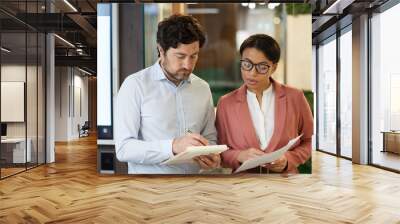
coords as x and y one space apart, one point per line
292 118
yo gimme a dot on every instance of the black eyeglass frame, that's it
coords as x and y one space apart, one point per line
254 65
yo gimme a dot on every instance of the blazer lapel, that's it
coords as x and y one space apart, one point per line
243 115
280 116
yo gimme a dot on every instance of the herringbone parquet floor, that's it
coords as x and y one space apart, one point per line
70 191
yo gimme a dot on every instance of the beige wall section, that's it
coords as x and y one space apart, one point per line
71 102
61 103
41 115
31 109
299 52
178 8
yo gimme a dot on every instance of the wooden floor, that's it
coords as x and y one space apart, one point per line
5 172
386 159
70 191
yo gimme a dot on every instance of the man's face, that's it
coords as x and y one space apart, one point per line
179 62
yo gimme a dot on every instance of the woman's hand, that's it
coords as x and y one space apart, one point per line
278 165
249 154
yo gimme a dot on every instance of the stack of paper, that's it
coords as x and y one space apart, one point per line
267 158
194 151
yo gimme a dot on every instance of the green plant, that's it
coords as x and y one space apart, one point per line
293 9
297 9
306 168
310 99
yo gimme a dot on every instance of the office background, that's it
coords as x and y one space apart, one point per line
39 108
127 47
346 186
355 67
59 94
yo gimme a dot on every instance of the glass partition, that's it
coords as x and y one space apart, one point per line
41 97
385 88
346 94
327 96
31 100
22 90
13 107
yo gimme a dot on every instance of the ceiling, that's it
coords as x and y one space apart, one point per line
75 23
328 16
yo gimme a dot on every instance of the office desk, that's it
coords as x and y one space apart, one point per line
391 141
13 150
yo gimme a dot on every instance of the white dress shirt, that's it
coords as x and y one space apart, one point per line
263 116
151 111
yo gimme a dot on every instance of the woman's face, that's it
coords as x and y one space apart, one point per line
255 79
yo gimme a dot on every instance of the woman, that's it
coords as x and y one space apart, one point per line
263 115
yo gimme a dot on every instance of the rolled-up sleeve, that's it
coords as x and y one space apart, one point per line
127 126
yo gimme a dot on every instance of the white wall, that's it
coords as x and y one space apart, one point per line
71 94
61 103
314 89
79 117
12 73
299 51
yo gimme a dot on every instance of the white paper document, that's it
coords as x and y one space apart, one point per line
193 151
267 158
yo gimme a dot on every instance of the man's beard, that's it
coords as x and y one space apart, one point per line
180 75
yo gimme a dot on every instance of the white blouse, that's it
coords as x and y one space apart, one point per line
263 116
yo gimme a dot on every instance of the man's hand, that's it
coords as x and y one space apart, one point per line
278 165
180 144
249 154
209 161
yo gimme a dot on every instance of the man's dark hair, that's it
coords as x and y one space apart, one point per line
265 44
179 29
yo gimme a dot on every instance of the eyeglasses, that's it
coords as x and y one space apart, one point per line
261 68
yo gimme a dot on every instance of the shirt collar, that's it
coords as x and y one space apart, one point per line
159 74
266 92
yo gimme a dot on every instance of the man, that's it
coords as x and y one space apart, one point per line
163 109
